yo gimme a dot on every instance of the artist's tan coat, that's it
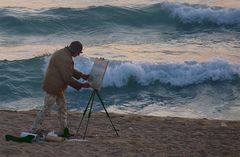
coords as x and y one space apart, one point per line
60 72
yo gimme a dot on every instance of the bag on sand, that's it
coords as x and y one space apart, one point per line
29 137
26 139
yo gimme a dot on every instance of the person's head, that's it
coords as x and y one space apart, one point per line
75 48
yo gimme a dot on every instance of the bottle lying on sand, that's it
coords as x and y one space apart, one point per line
53 137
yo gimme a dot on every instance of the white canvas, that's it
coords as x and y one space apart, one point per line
97 73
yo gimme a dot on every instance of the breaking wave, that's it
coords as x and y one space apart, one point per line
23 21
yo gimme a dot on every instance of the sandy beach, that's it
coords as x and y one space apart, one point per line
139 136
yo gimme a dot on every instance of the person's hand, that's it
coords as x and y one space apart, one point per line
85 76
86 85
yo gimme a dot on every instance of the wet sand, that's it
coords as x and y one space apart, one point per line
139 136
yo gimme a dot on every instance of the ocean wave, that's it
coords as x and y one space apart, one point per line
176 74
106 18
203 14
120 74
28 74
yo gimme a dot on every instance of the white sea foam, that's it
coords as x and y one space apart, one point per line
187 73
24 104
197 13
187 111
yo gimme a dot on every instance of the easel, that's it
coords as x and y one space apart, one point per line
89 107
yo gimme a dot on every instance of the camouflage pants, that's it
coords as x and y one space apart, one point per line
49 101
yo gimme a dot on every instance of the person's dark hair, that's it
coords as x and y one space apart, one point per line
75 47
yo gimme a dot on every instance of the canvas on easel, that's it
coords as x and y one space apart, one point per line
96 76
97 73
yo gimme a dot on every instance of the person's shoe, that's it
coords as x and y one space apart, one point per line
66 133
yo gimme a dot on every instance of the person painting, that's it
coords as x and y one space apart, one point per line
60 73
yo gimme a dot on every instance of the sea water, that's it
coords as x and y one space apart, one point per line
167 58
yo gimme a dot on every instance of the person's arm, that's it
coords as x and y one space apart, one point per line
78 75
77 85
66 71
